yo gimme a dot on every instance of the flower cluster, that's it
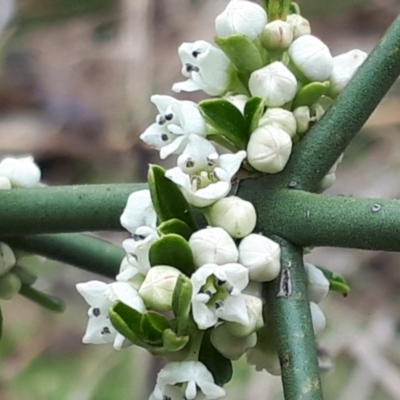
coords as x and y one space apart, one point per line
190 292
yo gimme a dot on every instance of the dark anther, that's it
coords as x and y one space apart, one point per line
189 164
168 117
96 312
218 304
105 331
195 53
208 293
136 238
161 120
220 282
164 137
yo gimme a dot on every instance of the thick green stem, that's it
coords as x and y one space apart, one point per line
63 209
82 251
323 145
288 306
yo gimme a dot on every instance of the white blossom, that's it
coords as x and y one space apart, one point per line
275 83
213 245
318 285
21 172
241 17
217 294
280 118
174 123
303 118
318 318
277 35
101 296
299 24
312 58
182 380
206 187
206 66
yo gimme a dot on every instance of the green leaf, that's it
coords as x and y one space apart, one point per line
227 120
336 282
175 226
153 325
167 198
223 141
216 363
172 342
52 303
172 250
253 111
310 94
242 52
26 276
127 322
181 303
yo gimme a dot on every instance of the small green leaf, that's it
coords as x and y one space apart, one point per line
181 303
127 322
223 141
175 226
216 363
172 250
336 282
253 111
153 325
242 52
227 120
172 342
167 198
310 94
26 276
52 303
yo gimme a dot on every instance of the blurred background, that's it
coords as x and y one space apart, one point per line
75 82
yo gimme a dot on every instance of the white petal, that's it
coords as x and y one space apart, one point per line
190 118
186 86
199 277
162 102
22 172
99 331
157 136
206 196
176 147
125 293
234 310
179 177
232 162
94 292
202 315
236 274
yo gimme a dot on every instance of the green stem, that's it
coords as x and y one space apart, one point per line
308 219
323 145
63 209
288 306
195 345
82 251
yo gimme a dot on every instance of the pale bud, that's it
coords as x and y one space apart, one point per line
318 285
275 83
213 245
243 17
158 287
269 149
231 346
277 35
299 25
236 216
22 172
327 181
280 118
318 318
5 183
303 119
344 67
7 258
312 58
262 256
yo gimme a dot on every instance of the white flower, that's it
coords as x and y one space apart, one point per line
22 172
190 376
312 57
261 256
318 285
344 67
277 35
139 211
275 83
100 296
206 66
318 318
158 287
243 17
280 118
299 25
217 294
269 149
206 187
128 272
175 121
213 245
236 216
7 258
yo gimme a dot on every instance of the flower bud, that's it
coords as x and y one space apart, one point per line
318 285
327 181
318 318
312 58
254 308
275 83
236 216
5 183
10 285
213 245
277 35
269 149
344 67
262 256
299 25
7 258
243 17
303 119
231 346
158 287
280 118
22 172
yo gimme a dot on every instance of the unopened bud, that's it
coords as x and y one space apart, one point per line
280 118
318 318
318 285
277 35
303 118
299 25
22 172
